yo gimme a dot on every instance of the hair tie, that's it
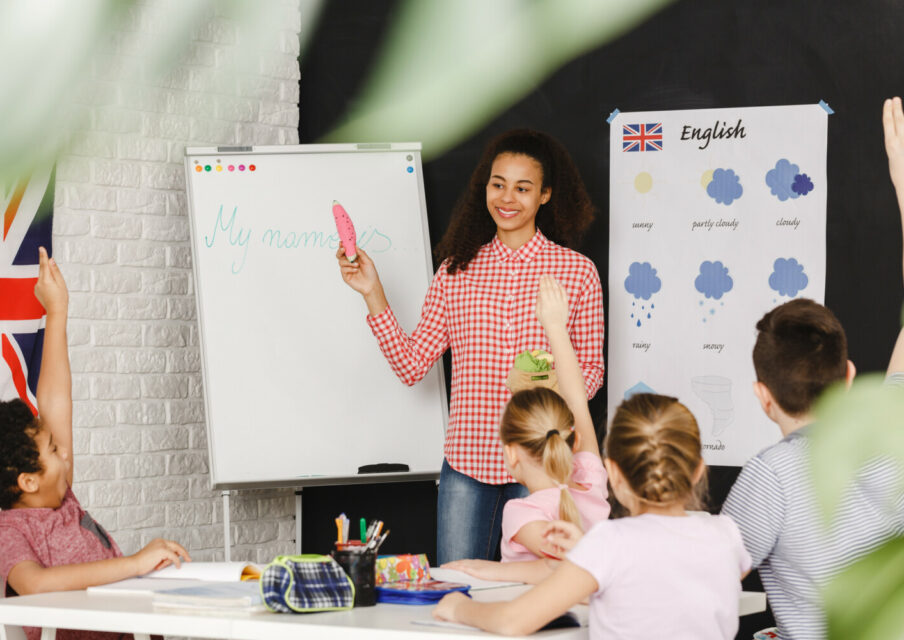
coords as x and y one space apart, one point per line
562 487
551 433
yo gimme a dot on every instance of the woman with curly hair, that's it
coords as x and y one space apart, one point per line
481 306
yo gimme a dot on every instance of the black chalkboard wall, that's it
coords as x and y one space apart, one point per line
693 54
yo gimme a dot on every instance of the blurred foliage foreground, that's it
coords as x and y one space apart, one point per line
866 599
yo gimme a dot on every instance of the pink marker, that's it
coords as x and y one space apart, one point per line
346 231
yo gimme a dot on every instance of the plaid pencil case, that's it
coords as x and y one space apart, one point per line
306 583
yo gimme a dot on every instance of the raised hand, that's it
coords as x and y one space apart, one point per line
50 289
552 304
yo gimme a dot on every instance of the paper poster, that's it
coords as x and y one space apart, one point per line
716 216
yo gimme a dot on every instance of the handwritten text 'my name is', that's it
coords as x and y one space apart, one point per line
226 231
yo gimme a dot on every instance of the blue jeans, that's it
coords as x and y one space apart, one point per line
469 515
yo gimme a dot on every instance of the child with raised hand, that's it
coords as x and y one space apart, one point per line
549 444
47 541
657 574
800 350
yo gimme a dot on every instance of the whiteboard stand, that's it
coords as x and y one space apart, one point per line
227 541
298 521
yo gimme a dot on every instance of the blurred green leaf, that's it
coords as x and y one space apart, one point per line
450 67
866 600
854 426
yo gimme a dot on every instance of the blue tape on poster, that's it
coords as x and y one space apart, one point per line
612 116
824 105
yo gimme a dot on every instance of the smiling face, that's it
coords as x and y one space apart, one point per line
49 486
514 195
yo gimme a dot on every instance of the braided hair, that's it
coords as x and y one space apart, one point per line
655 442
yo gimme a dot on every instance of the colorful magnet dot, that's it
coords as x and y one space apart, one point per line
251 167
219 167
410 169
241 167
199 168
206 167
232 167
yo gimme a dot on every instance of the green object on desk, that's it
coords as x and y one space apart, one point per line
363 530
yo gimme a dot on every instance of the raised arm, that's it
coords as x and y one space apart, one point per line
55 380
893 124
552 312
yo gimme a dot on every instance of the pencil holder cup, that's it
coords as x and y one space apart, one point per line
360 565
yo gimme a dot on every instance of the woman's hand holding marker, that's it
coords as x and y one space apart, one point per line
361 275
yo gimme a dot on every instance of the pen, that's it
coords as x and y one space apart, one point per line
339 530
363 526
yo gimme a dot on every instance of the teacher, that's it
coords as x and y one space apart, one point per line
525 203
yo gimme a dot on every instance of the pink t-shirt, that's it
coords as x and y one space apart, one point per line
588 471
51 538
664 577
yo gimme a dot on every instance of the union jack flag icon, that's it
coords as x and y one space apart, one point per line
27 223
642 137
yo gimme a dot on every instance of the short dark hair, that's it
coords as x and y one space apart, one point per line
800 350
563 219
18 450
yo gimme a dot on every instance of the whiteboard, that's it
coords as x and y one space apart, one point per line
296 390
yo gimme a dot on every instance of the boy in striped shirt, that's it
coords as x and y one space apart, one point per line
801 349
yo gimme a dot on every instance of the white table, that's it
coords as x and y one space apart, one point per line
135 614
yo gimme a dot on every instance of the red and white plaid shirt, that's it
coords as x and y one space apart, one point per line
486 315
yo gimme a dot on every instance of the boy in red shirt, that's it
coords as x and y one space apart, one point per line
47 541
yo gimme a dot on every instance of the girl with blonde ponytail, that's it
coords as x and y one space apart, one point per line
661 573
549 446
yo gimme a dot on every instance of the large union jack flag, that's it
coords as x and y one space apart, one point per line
27 223
642 137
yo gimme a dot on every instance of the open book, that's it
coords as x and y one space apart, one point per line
173 578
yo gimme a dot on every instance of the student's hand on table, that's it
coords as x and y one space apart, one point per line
552 304
560 537
159 553
445 609
50 289
360 275
483 569
893 124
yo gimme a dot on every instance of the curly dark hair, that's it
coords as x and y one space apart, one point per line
563 219
18 450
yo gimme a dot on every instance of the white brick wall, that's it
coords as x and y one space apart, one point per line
121 238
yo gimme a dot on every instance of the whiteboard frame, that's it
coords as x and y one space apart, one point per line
302 481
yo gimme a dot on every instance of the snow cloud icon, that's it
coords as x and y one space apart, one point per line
642 281
713 280
788 277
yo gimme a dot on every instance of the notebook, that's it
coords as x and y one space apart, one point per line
211 597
